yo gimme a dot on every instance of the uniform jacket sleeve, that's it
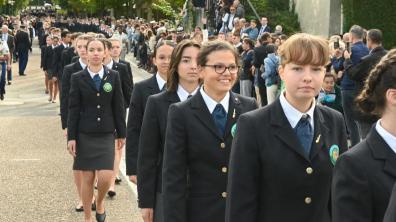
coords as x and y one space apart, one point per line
118 108
243 179
135 117
74 108
149 144
174 174
350 191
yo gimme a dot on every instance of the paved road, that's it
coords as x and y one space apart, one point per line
36 182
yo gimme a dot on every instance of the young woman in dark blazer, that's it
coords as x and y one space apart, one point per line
183 82
96 111
283 155
198 140
140 94
81 47
364 176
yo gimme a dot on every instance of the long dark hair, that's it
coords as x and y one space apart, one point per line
173 75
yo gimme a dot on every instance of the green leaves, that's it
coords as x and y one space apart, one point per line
372 14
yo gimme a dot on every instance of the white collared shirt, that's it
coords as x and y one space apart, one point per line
183 94
82 64
388 137
65 45
293 115
4 36
101 73
211 103
160 81
110 64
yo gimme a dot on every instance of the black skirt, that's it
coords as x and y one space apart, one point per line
94 151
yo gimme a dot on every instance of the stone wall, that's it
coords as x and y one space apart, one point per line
319 17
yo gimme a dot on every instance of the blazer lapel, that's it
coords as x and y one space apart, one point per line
283 131
382 151
154 85
172 97
234 110
320 131
105 78
89 80
201 111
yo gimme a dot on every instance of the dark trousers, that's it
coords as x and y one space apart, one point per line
348 97
23 57
3 66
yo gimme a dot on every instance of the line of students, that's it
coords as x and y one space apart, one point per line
89 141
189 168
282 159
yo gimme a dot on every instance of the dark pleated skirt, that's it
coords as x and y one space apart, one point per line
94 151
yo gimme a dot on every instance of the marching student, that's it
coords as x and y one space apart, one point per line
126 87
140 94
96 111
81 64
283 155
365 175
198 140
50 67
182 83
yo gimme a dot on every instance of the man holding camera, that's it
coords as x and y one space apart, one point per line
349 90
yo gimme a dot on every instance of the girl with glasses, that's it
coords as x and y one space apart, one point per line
198 140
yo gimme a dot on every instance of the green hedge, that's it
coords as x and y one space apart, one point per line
372 14
277 12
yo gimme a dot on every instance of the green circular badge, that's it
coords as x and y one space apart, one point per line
233 130
107 87
334 153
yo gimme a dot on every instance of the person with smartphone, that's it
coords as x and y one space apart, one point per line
348 86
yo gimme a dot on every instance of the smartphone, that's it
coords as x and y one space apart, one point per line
348 47
336 45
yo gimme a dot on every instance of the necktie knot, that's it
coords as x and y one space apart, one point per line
304 133
97 80
220 117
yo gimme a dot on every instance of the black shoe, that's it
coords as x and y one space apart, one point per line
118 180
111 193
80 209
9 82
100 217
93 207
1 97
23 74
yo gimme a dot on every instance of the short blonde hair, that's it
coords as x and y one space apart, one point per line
304 49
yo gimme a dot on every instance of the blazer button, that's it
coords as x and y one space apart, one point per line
224 194
98 106
224 169
98 119
309 170
97 94
308 200
222 145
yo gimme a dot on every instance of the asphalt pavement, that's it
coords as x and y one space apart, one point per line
36 181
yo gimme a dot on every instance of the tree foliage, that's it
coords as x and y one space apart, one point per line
372 14
277 12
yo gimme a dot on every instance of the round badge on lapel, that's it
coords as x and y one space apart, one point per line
233 130
107 87
334 153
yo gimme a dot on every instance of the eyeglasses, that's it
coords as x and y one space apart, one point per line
220 69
